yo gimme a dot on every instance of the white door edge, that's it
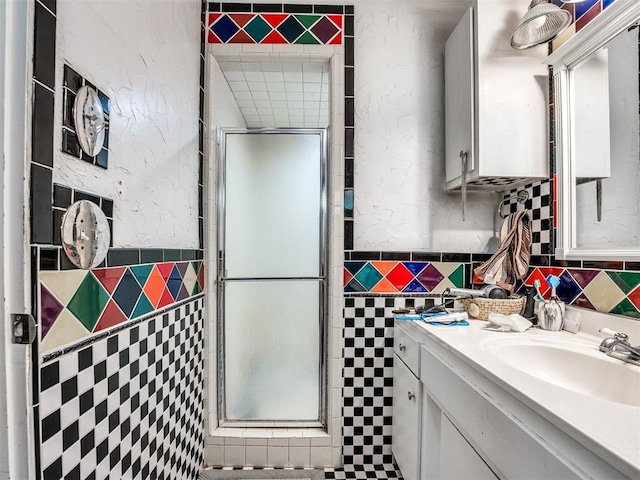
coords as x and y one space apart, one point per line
17 446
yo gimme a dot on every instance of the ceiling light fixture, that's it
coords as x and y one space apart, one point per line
542 23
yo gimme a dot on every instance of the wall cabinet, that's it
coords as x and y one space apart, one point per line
496 101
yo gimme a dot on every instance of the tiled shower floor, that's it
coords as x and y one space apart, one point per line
357 472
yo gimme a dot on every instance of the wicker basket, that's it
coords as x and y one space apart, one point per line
480 307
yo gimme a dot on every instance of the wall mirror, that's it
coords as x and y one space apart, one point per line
596 78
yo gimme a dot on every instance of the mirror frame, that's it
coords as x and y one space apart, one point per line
612 21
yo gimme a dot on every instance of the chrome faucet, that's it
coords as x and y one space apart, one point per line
617 345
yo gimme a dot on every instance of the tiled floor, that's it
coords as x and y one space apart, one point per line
363 471
357 472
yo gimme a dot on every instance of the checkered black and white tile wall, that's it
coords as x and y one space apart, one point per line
540 207
129 405
368 380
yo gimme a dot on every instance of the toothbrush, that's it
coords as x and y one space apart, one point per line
536 284
553 282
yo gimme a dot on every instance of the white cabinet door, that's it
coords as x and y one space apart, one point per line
458 461
406 420
459 97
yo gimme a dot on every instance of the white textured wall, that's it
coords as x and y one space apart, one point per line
145 56
400 203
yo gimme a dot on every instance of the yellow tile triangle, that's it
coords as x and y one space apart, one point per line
66 329
63 284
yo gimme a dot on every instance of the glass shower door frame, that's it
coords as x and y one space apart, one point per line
222 278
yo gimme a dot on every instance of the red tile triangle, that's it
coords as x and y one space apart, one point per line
165 269
201 276
109 277
111 317
274 37
337 40
346 277
337 19
241 19
537 275
166 299
634 297
546 271
212 18
212 38
241 37
274 19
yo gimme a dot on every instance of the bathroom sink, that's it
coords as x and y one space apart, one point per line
575 366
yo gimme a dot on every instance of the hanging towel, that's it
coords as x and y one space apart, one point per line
511 261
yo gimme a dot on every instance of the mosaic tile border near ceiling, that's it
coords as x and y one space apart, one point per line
581 14
78 303
605 291
406 277
275 28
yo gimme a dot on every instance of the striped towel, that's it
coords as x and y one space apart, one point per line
511 261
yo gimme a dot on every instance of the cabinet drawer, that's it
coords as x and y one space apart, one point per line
407 348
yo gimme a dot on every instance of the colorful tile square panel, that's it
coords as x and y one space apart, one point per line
77 303
606 291
408 277
274 28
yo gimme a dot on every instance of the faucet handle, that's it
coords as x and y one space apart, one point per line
607 332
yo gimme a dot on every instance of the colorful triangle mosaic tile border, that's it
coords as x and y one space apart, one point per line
606 291
77 303
275 28
405 277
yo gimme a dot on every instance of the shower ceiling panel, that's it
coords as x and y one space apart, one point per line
283 94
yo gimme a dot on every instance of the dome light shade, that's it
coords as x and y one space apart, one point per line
542 23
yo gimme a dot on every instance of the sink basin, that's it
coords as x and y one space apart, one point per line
579 367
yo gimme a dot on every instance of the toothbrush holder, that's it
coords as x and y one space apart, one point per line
551 315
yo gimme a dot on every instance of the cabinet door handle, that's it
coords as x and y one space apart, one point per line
411 396
401 347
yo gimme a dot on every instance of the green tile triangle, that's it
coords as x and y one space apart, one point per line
88 302
307 20
258 28
307 39
369 276
143 307
196 289
627 281
196 266
457 277
142 272
625 307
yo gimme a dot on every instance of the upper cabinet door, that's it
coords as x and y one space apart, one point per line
496 101
459 97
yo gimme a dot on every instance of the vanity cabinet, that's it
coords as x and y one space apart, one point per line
457 458
496 101
406 404
453 420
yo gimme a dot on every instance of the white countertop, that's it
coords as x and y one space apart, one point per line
609 429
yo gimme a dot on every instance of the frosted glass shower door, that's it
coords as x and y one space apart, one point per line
272 272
